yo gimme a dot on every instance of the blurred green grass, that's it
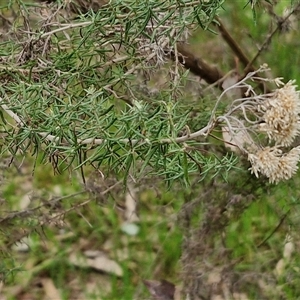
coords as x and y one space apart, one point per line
155 251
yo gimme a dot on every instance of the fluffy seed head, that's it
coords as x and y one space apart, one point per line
280 119
272 163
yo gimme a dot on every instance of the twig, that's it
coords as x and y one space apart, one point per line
172 6
11 114
233 45
239 53
140 65
55 139
66 27
236 85
205 131
27 212
268 40
196 65
274 230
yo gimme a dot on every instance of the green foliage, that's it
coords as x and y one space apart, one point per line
66 84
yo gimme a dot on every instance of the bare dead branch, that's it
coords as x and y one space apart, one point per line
234 46
197 65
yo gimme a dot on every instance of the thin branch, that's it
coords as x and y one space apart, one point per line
233 45
55 139
196 65
65 27
11 114
239 53
236 85
190 136
268 39
27 212
140 65
132 14
275 229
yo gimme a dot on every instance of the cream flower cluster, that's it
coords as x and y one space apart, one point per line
277 115
274 164
279 118
280 115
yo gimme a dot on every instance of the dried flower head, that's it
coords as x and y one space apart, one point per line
275 114
280 119
272 163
